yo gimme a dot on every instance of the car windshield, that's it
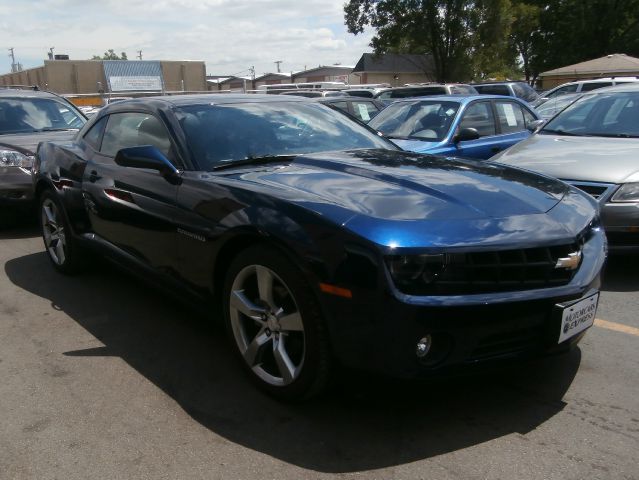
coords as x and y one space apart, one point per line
553 105
219 134
427 120
525 92
614 114
26 115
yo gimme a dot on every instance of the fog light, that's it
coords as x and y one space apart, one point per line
423 346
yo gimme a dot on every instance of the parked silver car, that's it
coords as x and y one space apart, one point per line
594 145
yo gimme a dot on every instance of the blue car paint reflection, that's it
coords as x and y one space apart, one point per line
431 125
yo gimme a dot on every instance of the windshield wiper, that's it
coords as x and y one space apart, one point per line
561 132
397 137
53 129
263 160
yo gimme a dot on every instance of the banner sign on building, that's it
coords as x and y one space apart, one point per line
122 84
133 75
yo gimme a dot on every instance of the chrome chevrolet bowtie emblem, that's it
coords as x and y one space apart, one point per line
571 262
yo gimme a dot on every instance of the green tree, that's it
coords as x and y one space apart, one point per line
110 55
456 32
523 32
573 31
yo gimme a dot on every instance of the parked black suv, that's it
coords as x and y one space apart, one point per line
28 117
510 89
424 90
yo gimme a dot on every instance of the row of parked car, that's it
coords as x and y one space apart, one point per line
326 242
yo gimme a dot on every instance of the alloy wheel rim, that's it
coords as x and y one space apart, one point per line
267 325
53 232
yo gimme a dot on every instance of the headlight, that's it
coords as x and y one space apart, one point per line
628 192
406 269
11 158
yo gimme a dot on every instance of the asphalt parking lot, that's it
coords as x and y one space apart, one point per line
104 377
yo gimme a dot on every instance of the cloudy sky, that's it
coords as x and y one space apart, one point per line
229 35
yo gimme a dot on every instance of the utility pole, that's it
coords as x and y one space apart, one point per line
140 54
277 62
13 60
252 72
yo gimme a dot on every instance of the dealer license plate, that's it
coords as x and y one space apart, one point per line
577 317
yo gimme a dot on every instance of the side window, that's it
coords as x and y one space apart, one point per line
493 90
94 136
479 115
528 116
587 87
364 110
510 117
563 90
134 129
385 95
341 105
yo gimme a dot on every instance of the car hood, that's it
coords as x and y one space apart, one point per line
425 200
593 159
28 142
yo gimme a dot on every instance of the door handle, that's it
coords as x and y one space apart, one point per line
94 177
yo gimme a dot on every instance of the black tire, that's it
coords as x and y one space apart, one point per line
308 368
63 250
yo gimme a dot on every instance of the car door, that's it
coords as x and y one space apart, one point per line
132 208
511 125
478 115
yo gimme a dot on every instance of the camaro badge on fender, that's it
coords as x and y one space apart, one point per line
195 236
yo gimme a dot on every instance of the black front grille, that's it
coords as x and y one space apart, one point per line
508 343
497 271
595 190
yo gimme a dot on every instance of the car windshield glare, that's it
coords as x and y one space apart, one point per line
26 115
219 134
429 120
614 114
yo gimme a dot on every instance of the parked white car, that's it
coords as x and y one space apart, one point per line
583 86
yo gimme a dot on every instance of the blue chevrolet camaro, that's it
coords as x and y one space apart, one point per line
321 243
475 126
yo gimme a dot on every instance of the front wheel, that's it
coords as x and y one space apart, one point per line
62 249
275 324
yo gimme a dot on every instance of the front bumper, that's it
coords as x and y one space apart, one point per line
16 188
380 333
621 222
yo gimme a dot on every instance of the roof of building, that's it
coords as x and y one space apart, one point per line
340 68
614 63
394 63
276 75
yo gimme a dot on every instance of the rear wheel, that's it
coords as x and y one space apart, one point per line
275 324
62 249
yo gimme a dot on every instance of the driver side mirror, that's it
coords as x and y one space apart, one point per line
535 125
466 134
148 156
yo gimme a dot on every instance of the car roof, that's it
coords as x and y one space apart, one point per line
625 87
212 99
508 82
456 98
18 92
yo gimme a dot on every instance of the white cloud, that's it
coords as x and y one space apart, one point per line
230 35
